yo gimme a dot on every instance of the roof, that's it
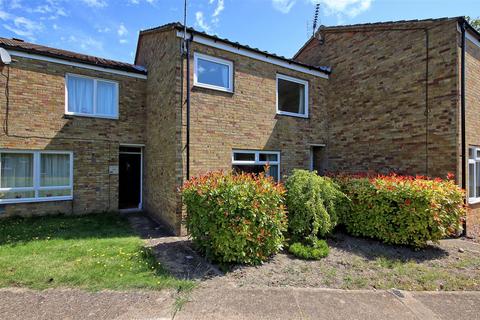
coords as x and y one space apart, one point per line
387 24
20 45
179 27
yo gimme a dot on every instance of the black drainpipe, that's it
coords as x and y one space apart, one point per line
187 44
462 116
462 109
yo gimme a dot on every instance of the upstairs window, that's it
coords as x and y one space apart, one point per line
213 73
91 97
292 96
474 174
255 162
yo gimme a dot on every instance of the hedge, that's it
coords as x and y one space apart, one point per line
235 218
402 209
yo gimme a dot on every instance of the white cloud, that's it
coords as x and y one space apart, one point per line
123 41
4 15
85 43
350 8
24 27
122 31
219 8
283 6
200 21
340 8
104 30
95 3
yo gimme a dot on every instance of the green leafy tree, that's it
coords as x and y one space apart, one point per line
474 22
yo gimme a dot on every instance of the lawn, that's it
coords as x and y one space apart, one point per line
91 252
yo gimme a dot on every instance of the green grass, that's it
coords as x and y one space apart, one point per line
91 252
310 252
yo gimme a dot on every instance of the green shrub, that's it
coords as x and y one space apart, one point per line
402 209
235 218
313 203
316 250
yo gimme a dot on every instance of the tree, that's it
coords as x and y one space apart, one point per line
474 22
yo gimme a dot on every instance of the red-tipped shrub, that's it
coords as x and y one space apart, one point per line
402 209
235 218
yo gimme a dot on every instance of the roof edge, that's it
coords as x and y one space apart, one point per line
180 27
126 68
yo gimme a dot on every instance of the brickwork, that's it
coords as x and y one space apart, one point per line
379 103
37 121
472 111
160 53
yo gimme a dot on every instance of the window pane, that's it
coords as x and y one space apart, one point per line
273 172
55 170
291 96
212 73
16 170
54 193
17 195
249 168
268 157
80 95
471 153
106 98
244 156
471 178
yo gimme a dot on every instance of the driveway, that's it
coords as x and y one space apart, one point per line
237 303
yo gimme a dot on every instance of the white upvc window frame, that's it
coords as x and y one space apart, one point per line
36 178
476 159
94 114
299 81
257 161
228 63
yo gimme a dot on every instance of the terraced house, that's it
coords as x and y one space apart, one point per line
83 134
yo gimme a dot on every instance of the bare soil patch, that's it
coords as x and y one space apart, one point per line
356 263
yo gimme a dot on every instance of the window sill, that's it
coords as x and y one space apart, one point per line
291 114
207 86
30 200
70 115
473 200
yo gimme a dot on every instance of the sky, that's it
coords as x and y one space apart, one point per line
109 28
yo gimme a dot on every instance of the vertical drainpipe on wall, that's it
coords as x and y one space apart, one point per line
462 116
187 47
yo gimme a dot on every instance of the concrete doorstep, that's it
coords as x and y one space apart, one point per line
238 303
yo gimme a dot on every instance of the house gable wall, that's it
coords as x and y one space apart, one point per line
380 119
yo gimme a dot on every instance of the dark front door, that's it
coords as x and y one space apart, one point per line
130 168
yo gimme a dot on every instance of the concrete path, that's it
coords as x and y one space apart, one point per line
237 303
19 304
331 304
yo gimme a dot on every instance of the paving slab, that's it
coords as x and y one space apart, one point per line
331 304
20 304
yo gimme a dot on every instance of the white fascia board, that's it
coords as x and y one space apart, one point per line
75 64
254 55
472 38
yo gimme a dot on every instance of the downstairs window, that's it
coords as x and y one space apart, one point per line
30 176
255 162
473 174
